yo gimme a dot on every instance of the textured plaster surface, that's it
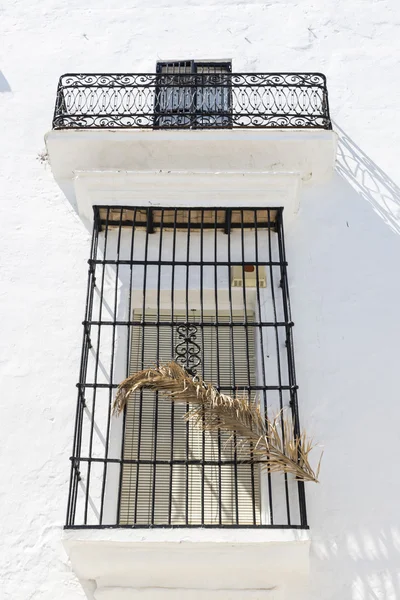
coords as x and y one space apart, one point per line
343 252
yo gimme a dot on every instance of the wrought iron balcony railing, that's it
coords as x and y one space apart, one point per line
197 101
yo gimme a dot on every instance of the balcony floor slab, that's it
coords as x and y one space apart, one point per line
307 154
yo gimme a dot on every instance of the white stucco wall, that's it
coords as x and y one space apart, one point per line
343 254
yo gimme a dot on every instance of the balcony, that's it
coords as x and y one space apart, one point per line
192 101
157 138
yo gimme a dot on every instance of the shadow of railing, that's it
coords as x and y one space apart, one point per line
368 561
368 180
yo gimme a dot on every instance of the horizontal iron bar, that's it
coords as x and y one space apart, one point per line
187 263
181 127
195 208
276 112
198 325
199 526
252 388
190 84
179 225
142 461
241 73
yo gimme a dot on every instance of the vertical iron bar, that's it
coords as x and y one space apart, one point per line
71 506
217 357
290 358
150 221
278 359
188 471
127 370
96 369
242 214
146 251
235 466
110 397
203 435
261 333
172 356
153 496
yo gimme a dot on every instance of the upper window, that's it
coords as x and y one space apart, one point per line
193 94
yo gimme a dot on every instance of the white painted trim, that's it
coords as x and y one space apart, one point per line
227 167
183 188
194 563
256 535
235 134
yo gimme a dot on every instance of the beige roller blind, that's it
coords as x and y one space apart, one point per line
173 493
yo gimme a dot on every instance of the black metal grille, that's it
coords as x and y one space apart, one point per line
208 288
202 100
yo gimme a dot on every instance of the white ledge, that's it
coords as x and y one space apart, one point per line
182 188
236 133
308 154
188 535
203 564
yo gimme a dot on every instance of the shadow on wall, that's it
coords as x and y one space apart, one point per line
368 180
4 85
356 527
373 555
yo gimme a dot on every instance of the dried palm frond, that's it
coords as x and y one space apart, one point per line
272 442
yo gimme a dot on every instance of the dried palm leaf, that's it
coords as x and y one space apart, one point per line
272 442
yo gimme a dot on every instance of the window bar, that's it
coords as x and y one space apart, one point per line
127 370
74 476
171 474
81 396
150 221
193 263
226 388
203 436
88 319
227 227
187 366
153 495
110 396
161 323
217 359
247 352
145 263
193 114
96 370
261 333
291 363
279 368
233 362
160 461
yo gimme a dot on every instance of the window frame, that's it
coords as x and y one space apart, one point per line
194 113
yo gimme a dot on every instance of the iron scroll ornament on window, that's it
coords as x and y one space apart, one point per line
187 350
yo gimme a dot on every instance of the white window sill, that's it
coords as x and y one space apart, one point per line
199 563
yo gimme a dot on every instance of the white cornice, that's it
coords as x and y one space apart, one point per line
184 188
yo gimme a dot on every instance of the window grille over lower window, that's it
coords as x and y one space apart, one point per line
207 288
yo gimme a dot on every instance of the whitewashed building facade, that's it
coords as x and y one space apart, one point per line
218 186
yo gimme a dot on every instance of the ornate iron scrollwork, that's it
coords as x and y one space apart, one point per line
225 100
187 350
